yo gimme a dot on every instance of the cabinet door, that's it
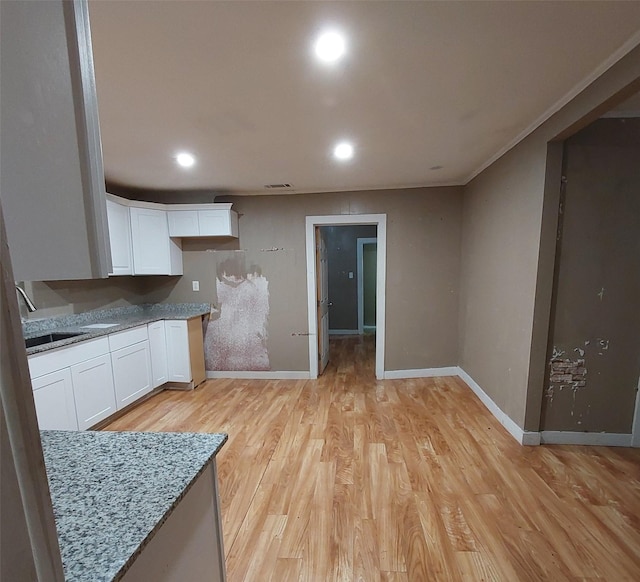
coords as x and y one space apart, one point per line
93 390
131 373
214 223
179 365
158 349
150 235
53 395
183 223
120 239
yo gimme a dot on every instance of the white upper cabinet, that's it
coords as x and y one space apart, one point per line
120 239
52 179
202 220
154 253
183 223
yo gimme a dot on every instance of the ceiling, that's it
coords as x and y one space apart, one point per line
429 93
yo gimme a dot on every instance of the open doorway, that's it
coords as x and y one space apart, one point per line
594 334
319 299
367 257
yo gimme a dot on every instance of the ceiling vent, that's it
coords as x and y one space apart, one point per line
277 186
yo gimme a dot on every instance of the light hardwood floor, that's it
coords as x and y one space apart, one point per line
349 478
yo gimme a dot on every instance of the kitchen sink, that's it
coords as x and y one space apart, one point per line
49 338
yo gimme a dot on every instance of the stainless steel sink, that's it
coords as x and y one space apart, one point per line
49 338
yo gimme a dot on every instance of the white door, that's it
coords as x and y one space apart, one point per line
120 239
93 390
214 223
53 396
322 268
178 361
158 352
131 373
150 235
183 223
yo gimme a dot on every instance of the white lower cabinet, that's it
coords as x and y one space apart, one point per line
158 349
76 387
131 373
178 362
55 406
93 390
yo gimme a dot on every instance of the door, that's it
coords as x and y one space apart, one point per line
178 361
131 373
120 239
53 396
158 349
93 390
150 236
322 294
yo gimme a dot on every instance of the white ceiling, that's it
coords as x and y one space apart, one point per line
424 84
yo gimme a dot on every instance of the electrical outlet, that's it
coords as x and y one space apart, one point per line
195 285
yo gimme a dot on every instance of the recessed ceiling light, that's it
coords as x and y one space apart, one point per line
343 151
185 159
330 46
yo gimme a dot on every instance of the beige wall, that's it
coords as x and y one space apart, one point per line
507 256
595 328
423 247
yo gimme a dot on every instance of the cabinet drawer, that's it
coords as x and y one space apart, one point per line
65 357
128 337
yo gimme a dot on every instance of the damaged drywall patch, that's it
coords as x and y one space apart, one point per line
237 338
566 373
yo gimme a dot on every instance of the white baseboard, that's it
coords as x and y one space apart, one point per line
344 332
262 375
524 438
602 439
420 373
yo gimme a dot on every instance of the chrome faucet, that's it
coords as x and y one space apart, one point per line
30 306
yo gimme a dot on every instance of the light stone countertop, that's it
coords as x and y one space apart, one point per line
124 317
111 492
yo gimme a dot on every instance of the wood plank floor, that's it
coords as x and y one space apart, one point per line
349 478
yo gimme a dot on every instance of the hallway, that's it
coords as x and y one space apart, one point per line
349 478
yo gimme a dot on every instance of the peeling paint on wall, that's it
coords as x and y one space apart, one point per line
237 338
566 373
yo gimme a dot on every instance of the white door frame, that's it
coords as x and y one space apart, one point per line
360 272
380 220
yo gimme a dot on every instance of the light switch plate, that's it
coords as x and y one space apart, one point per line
195 285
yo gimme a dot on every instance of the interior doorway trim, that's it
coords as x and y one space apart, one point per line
379 220
360 274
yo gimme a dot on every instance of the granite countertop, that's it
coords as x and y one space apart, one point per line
111 320
111 491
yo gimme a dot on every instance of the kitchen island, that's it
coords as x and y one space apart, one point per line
136 506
